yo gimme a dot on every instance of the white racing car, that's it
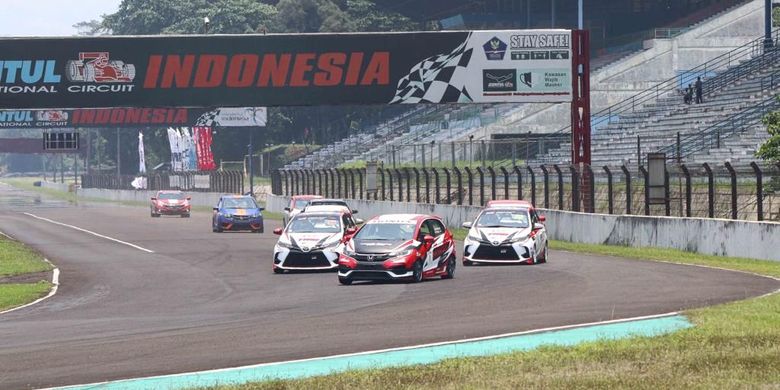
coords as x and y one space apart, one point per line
312 241
506 234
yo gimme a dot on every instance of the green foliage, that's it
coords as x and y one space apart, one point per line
366 16
770 150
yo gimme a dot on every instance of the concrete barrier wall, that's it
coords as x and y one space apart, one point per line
722 237
208 199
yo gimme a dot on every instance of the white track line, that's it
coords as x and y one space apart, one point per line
469 340
91 232
55 281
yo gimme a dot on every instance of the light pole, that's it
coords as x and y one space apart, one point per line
767 24
251 170
206 24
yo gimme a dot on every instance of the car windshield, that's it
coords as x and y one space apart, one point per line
238 203
503 218
315 224
300 204
386 231
169 195
328 203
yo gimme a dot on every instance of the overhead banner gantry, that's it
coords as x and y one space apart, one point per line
287 70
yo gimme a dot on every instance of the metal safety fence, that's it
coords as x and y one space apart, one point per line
218 181
747 192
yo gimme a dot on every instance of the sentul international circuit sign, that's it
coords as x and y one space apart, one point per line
134 117
285 70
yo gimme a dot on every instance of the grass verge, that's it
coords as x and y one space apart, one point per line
17 259
13 295
734 345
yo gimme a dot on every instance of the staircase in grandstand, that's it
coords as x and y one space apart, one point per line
737 87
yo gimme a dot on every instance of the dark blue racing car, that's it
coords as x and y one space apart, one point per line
237 212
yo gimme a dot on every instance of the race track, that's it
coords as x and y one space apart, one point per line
203 300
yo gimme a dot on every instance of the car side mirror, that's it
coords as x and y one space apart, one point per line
351 231
466 225
428 239
261 208
189 198
154 198
278 231
542 218
215 208
354 211
286 209
359 221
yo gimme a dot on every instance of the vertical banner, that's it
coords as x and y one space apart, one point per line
203 148
141 157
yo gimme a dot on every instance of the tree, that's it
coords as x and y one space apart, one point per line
306 16
90 28
770 150
366 16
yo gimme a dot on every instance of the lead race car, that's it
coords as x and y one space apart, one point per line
506 232
409 247
312 241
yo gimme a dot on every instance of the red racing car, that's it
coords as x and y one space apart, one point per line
170 203
409 247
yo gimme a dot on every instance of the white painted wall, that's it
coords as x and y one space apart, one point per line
722 237
198 198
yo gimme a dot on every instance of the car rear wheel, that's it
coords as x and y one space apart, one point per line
345 280
450 268
417 272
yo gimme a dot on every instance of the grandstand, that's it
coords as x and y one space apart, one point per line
721 47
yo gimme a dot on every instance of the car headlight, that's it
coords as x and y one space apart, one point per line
284 244
402 252
226 215
518 239
471 237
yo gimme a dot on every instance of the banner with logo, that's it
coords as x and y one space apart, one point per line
132 117
286 70
141 157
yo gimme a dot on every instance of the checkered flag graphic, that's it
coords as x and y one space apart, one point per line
208 118
437 79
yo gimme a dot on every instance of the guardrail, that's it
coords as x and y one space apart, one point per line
749 192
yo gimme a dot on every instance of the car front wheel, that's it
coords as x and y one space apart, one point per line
450 268
417 272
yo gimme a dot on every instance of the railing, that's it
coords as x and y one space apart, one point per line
712 136
750 192
218 181
724 61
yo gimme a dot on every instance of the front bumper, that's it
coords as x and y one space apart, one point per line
241 223
383 269
296 259
516 253
172 210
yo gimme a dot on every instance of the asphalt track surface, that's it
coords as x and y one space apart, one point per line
204 300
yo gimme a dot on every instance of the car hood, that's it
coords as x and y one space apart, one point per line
241 211
379 246
311 240
499 235
172 201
